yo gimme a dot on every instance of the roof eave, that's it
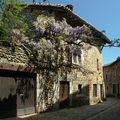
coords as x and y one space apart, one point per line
100 35
110 64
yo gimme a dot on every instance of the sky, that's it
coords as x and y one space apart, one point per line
102 14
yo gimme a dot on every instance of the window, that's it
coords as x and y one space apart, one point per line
97 64
114 88
74 58
79 89
85 90
79 59
107 88
94 90
101 90
77 56
106 76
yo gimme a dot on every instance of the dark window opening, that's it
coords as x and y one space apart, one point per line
106 76
97 64
114 88
79 89
107 88
94 90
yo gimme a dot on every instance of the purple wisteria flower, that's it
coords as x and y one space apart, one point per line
58 29
41 30
37 47
15 33
55 27
31 42
52 23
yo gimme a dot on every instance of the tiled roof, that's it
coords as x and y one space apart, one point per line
112 63
63 8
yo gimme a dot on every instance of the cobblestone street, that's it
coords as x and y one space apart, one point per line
95 112
101 111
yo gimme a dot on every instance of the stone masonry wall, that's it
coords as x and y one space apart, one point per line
46 81
111 77
92 62
7 55
47 90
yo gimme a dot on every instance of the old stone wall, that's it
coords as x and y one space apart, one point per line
94 63
91 73
16 56
87 73
111 77
47 85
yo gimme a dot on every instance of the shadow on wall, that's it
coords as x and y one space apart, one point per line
80 97
8 107
67 100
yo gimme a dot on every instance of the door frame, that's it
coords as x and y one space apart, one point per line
27 110
68 99
21 68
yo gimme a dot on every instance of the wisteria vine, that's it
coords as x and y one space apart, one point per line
51 39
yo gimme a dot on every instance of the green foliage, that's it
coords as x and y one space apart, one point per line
11 18
47 42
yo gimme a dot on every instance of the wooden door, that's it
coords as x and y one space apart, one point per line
7 94
26 94
64 94
17 93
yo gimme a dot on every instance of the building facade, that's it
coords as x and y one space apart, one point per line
30 90
111 77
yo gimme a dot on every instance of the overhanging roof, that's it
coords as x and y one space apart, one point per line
70 15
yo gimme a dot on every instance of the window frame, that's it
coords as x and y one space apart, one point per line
76 59
94 90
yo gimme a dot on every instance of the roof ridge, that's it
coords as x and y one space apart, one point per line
109 64
63 7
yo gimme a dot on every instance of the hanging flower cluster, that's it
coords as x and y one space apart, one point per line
51 37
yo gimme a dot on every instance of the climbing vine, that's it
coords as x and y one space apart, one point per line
48 43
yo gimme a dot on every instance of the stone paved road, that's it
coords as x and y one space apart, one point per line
95 112
80 113
113 113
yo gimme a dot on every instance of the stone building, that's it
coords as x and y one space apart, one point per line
83 84
111 77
